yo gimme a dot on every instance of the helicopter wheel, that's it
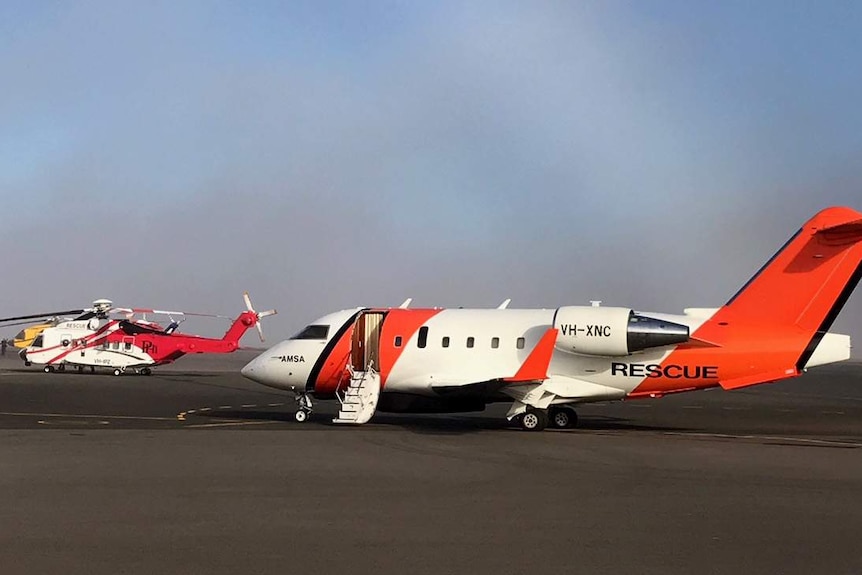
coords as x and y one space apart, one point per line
146 371
48 369
118 372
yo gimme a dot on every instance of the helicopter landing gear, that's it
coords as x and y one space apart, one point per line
61 367
146 371
48 369
80 369
303 400
119 371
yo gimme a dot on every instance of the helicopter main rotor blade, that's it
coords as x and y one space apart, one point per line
43 315
133 310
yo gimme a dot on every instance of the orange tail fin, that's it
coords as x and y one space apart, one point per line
801 290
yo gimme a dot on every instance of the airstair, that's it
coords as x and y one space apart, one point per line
359 401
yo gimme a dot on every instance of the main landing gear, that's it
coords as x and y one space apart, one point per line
539 419
303 401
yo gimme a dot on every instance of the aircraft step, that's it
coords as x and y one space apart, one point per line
360 398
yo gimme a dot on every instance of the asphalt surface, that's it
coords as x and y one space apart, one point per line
196 470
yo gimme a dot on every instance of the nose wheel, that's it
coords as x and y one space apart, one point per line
303 402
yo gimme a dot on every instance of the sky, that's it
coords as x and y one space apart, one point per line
328 155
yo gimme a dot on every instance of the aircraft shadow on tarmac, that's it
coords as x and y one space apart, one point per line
436 424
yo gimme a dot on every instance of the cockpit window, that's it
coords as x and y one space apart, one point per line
313 332
38 341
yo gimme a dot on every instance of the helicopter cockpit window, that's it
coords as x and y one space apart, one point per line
313 332
38 341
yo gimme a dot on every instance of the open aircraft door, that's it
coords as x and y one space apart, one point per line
365 347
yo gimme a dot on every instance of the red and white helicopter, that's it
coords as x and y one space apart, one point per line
546 360
95 339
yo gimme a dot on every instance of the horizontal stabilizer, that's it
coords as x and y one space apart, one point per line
756 379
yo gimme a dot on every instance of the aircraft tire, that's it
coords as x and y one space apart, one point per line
146 371
301 416
534 420
563 417
48 369
118 372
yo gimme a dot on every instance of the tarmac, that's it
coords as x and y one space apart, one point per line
197 470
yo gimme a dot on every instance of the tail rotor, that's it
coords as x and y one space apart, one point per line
258 315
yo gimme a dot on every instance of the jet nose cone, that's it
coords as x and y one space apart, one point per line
266 369
248 370
254 370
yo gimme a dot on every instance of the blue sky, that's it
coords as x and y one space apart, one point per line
330 155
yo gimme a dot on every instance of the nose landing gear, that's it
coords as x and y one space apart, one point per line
303 401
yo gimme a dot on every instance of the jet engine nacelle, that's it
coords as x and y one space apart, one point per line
613 331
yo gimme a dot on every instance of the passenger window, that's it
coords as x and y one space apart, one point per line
397 341
495 342
470 341
423 336
115 345
446 341
520 344
128 346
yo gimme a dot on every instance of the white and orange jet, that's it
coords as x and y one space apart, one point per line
546 360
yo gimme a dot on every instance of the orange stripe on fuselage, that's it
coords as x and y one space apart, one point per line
334 370
404 323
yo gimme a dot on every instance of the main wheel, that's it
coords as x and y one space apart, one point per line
146 371
118 372
563 417
534 420
48 369
301 415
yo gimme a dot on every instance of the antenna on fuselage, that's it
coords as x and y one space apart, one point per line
505 304
406 303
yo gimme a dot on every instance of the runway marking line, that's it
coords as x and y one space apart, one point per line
824 442
81 416
229 424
